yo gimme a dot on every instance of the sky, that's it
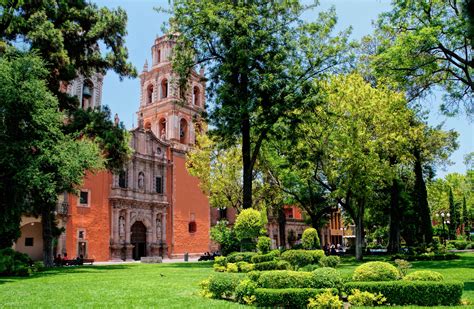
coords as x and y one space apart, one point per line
144 24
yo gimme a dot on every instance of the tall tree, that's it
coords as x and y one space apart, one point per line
261 59
424 44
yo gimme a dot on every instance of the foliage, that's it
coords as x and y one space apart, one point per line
299 258
225 237
414 50
272 255
245 267
402 266
240 256
232 268
222 285
272 265
13 263
264 244
288 298
423 293
358 298
375 271
310 239
330 261
325 300
280 279
424 275
253 88
245 291
309 267
249 224
220 260
327 277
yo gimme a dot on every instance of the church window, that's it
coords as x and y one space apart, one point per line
148 126
159 185
158 54
222 213
164 88
192 227
149 94
28 241
84 198
123 179
183 128
196 96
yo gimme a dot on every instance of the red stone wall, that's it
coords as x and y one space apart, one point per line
187 200
94 219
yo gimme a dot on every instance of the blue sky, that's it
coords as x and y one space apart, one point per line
144 24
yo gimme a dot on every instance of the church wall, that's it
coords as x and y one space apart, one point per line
188 202
92 219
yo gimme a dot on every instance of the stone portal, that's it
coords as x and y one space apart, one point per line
138 240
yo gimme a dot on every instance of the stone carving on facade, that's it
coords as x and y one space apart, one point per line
122 226
158 227
141 180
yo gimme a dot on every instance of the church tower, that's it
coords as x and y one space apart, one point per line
160 110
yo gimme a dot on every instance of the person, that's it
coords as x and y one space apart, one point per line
333 249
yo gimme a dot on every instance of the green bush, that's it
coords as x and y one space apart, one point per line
423 293
309 267
249 224
222 285
245 267
330 261
235 257
259 258
280 279
220 261
327 277
245 291
264 244
13 263
365 298
460 244
287 298
254 275
375 271
300 258
427 257
325 300
232 268
424 275
310 239
272 265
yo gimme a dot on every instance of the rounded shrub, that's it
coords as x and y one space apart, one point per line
222 285
249 224
232 268
424 275
264 244
245 291
325 300
300 258
330 261
375 271
327 277
310 239
309 267
245 267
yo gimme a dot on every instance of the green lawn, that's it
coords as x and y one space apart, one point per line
159 285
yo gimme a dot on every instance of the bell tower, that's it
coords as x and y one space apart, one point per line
160 110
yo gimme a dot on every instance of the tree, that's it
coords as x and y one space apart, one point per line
249 224
261 60
310 239
426 44
38 159
347 139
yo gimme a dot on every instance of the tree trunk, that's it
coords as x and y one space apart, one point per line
394 236
359 222
422 199
282 227
47 222
247 164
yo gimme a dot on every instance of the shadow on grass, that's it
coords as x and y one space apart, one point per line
469 286
58 271
188 265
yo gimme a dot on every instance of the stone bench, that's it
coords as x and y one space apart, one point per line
151 259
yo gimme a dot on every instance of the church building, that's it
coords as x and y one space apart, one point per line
153 207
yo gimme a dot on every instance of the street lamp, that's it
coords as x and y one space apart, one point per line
447 215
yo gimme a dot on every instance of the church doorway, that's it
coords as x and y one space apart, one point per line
138 239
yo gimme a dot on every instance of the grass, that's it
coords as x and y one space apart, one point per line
161 285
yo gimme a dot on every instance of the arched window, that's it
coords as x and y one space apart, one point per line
148 126
183 131
123 179
162 128
87 94
192 227
149 94
158 55
164 88
196 96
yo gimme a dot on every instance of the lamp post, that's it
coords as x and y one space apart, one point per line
443 215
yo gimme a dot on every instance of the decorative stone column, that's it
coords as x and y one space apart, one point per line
115 225
128 245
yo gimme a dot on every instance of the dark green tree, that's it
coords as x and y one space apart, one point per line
260 57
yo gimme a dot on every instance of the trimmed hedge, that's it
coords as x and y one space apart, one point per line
375 271
235 257
327 277
222 285
288 298
424 275
260 258
422 293
245 267
426 257
272 265
280 279
300 258
330 261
